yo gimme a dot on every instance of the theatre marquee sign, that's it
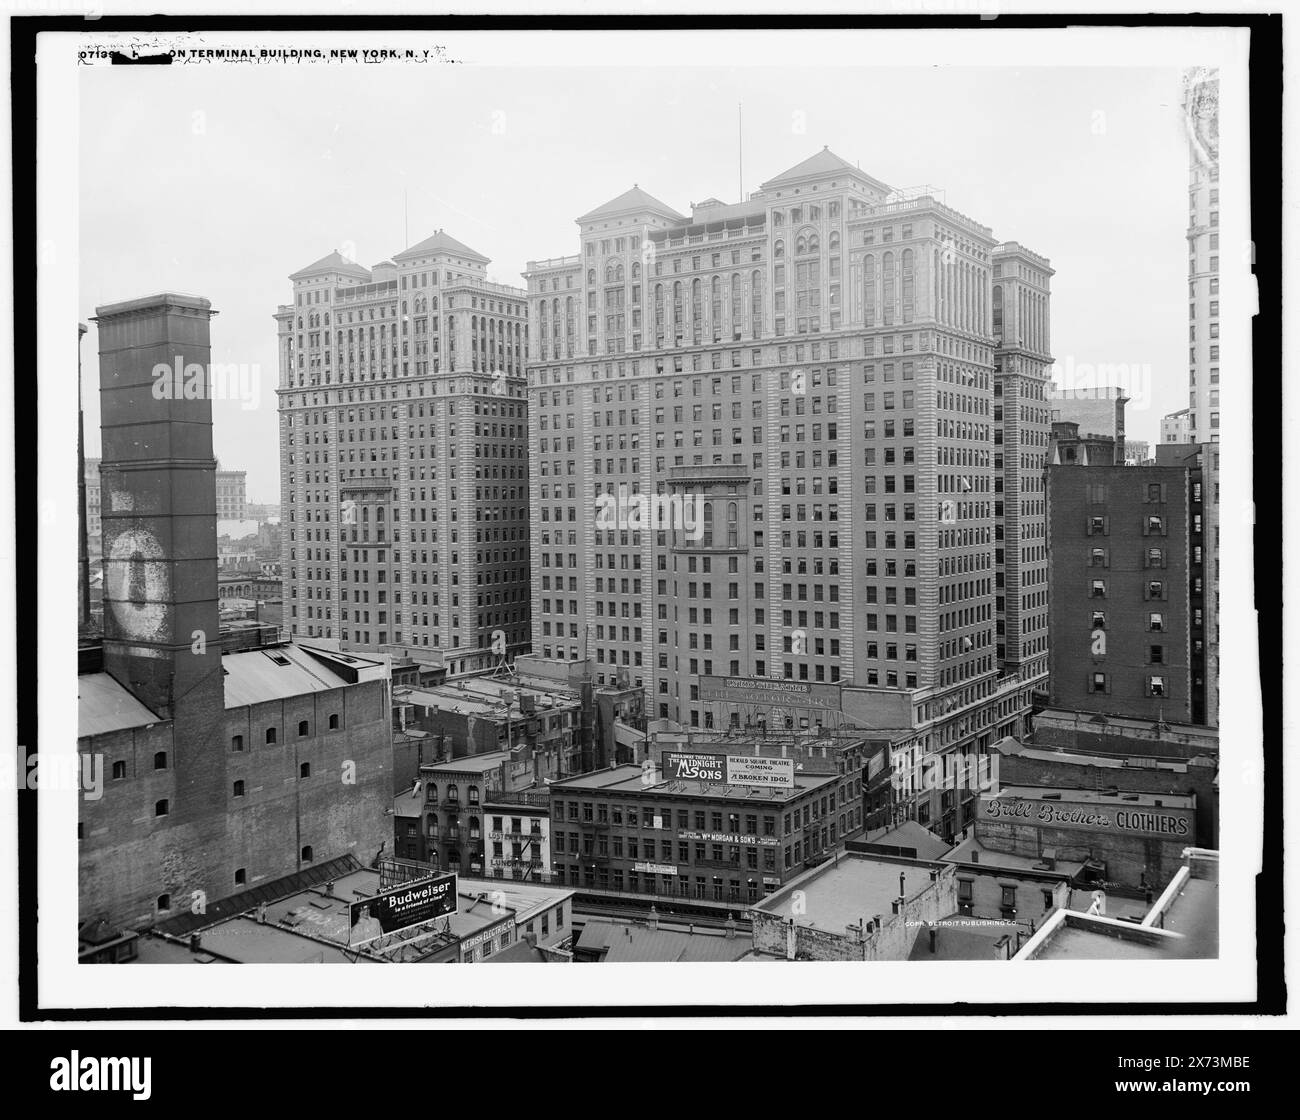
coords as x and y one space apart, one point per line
762 690
1137 820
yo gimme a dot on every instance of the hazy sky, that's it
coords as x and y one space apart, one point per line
220 181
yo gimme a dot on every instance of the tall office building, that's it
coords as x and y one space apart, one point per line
1201 109
1021 426
403 470
805 381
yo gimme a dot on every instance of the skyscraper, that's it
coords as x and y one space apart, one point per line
1201 109
804 383
402 445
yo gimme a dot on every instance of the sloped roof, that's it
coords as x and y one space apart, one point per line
333 262
824 162
257 676
634 199
440 242
104 705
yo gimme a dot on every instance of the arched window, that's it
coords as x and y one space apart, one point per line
307 854
835 240
801 245
778 249
636 270
708 525
160 760
591 277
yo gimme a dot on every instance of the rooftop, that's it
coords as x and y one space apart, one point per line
1100 796
1070 936
972 851
851 888
632 942
441 242
909 835
334 262
629 779
822 163
104 706
631 201
962 938
470 764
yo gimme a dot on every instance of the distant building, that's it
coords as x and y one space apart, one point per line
1068 448
1099 413
1201 111
1136 452
1175 428
232 503
94 527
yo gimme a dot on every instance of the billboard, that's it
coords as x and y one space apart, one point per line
1135 820
402 907
703 767
755 770
768 692
730 769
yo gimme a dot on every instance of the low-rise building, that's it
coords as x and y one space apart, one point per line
1131 839
642 833
856 907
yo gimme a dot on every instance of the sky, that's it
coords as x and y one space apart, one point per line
220 181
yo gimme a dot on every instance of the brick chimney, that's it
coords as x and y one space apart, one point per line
158 487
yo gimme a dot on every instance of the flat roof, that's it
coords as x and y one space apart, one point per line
248 941
1195 914
853 887
471 763
524 898
962 938
1073 943
1118 761
628 779
1101 796
1007 861
910 834
630 942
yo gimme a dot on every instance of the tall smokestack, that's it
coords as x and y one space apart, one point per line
158 498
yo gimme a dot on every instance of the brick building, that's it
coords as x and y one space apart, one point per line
1127 590
685 838
220 772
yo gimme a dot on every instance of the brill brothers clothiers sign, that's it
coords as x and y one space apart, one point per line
1140 820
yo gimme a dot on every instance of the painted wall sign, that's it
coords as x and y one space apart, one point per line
1138 820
